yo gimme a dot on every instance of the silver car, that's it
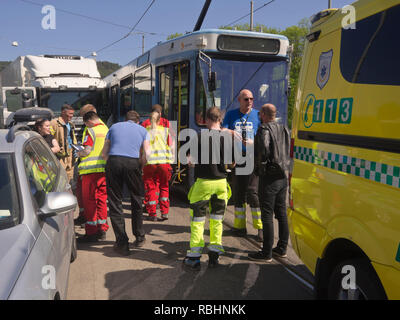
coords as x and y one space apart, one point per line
37 239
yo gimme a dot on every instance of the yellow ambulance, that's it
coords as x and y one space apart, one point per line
344 213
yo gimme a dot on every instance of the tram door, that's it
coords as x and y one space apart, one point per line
174 97
174 93
114 103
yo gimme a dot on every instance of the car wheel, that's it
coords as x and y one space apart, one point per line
74 250
365 285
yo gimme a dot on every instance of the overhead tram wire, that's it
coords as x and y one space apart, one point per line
264 5
129 33
90 18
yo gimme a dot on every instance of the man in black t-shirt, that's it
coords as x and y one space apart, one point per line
211 190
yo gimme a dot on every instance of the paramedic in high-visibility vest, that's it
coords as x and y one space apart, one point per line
210 191
157 171
92 174
80 220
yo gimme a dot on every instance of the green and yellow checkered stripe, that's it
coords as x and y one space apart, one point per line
371 170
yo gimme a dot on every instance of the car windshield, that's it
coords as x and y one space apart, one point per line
9 209
54 100
267 80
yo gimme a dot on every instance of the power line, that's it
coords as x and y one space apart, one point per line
264 5
130 32
90 18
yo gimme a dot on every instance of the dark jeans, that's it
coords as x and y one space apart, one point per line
273 199
120 171
246 190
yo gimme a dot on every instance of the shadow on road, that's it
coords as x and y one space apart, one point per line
227 282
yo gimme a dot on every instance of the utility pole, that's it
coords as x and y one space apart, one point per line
142 43
251 15
329 4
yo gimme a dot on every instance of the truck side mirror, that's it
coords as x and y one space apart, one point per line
212 81
26 100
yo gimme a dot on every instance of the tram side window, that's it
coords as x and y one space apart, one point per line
114 104
142 89
165 92
368 52
103 105
125 96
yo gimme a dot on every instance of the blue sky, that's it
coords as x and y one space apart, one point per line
22 22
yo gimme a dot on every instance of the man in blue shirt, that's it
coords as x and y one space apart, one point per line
124 149
243 123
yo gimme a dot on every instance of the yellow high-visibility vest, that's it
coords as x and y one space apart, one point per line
160 152
94 162
45 178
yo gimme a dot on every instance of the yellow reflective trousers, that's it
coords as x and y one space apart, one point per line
213 195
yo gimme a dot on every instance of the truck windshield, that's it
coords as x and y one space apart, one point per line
267 80
54 100
9 208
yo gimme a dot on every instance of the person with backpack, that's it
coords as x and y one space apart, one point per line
272 144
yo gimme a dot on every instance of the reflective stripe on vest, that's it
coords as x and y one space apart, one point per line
94 162
160 151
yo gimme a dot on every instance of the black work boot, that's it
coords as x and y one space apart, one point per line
80 220
101 235
279 252
88 238
122 248
213 259
192 263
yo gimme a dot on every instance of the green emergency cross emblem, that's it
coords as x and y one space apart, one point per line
371 170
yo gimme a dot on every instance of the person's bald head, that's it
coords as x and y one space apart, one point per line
268 113
245 100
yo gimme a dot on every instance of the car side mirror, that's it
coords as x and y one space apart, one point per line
57 203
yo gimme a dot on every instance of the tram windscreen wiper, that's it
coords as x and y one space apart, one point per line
244 86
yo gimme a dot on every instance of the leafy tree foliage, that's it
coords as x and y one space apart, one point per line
4 64
106 67
175 35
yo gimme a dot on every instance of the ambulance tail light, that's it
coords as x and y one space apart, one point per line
291 148
291 204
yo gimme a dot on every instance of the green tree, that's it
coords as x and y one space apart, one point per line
105 68
4 64
175 35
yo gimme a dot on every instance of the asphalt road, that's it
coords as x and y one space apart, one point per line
154 272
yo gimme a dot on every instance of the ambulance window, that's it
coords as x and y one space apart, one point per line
369 52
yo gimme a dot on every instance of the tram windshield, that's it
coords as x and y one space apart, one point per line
267 80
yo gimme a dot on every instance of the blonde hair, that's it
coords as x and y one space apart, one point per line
86 108
154 119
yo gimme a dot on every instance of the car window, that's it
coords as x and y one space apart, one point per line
9 207
49 161
41 170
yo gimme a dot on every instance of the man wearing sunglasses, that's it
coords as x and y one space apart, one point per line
243 123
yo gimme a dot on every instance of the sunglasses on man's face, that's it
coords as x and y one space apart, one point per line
247 99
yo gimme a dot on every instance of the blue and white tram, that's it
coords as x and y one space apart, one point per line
189 74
